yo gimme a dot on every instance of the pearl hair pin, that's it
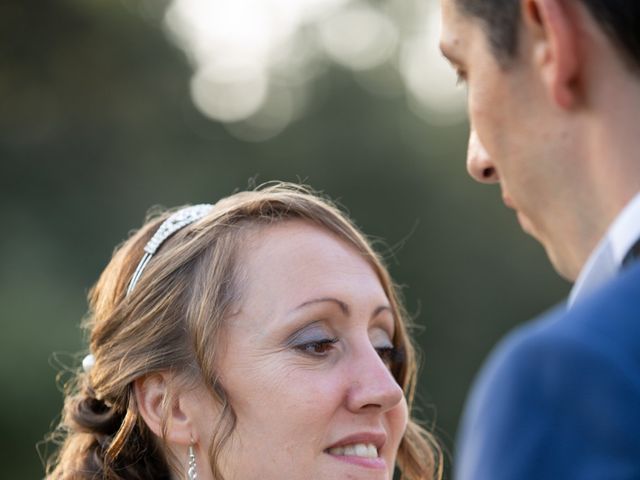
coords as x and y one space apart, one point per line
88 362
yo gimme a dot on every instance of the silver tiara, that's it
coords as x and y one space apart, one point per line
171 225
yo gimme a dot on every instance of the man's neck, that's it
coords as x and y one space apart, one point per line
609 255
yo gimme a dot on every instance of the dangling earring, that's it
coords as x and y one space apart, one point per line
192 471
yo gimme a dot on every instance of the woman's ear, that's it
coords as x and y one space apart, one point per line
167 413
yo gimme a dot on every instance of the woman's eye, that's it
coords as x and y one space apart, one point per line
318 347
387 354
394 358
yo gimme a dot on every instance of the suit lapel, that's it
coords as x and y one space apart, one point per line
632 255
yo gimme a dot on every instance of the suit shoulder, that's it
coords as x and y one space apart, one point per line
570 380
604 328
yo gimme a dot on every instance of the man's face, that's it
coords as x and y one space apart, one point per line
512 141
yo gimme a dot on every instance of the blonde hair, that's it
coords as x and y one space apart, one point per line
171 321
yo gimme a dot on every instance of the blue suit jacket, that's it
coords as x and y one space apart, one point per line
560 397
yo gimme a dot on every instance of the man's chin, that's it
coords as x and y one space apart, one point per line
558 262
529 228
525 224
561 267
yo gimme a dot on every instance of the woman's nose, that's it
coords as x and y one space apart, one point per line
479 164
372 385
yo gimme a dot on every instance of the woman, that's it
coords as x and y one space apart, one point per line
260 337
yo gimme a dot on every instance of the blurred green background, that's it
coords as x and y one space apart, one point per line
97 125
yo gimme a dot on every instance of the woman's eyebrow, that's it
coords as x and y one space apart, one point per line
380 309
343 306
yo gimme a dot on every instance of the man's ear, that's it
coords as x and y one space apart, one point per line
161 409
552 27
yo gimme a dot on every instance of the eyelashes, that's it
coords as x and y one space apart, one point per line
317 348
396 362
393 357
387 354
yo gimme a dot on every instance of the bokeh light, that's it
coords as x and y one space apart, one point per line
359 37
430 81
255 61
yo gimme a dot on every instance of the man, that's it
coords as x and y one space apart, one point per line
554 105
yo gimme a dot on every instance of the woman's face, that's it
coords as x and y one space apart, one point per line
305 363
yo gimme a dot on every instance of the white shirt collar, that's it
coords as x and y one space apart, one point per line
605 261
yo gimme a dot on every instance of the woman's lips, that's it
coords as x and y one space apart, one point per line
361 454
362 449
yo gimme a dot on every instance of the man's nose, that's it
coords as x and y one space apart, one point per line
479 164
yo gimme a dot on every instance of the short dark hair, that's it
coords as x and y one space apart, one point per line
619 19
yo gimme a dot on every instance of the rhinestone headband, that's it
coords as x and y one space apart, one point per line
171 225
